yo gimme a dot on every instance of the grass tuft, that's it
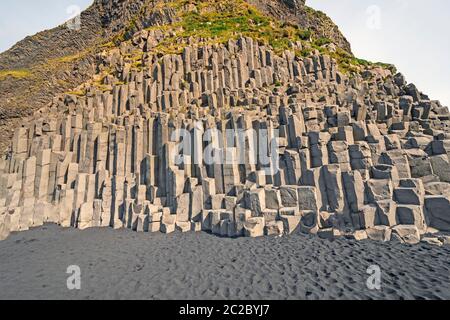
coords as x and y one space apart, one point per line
17 74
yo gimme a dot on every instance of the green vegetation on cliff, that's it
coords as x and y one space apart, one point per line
17 74
220 21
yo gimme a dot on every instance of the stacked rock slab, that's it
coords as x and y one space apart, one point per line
366 155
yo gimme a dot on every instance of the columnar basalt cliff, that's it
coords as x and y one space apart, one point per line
53 61
353 149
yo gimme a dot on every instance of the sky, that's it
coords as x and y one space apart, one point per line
412 34
21 18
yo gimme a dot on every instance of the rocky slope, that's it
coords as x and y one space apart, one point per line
57 60
280 130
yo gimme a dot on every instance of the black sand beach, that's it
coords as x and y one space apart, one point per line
127 265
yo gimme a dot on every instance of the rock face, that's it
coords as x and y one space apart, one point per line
39 67
236 139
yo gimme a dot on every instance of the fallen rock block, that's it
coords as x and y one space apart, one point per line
359 235
223 228
445 240
309 222
232 229
274 228
4 226
329 233
438 208
273 200
432 241
408 196
406 234
168 224
183 226
328 220
256 201
85 215
14 220
368 216
411 215
254 227
386 211
441 167
141 223
196 226
383 172
270 215
378 190
154 226
167 228
438 189
292 211
290 223
41 210
379 233
307 198
289 197
240 216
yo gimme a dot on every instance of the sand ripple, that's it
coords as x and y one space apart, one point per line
126 265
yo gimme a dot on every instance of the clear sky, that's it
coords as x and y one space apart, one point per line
412 34
21 18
